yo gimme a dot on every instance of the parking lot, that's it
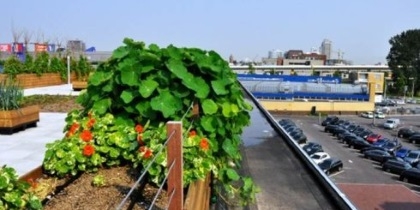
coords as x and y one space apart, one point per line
356 168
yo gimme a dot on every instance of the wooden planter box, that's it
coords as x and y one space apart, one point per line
13 120
79 85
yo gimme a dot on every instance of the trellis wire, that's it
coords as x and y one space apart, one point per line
170 198
185 114
161 186
145 171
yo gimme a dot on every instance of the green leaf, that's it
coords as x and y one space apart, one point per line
145 109
99 77
219 87
102 105
232 174
120 52
129 78
209 106
147 87
229 148
208 123
178 68
127 96
226 109
197 84
166 103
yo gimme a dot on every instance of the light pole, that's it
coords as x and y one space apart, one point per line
412 87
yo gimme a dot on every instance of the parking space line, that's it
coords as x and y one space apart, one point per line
409 184
340 172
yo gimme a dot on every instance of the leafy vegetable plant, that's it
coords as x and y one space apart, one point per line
132 96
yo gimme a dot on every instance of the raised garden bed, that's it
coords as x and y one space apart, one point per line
15 120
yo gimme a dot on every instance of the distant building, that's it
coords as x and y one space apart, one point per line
326 48
298 57
76 46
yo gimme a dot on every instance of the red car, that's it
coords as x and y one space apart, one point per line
372 138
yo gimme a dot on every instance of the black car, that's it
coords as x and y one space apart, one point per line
329 120
300 138
312 147
372 148
286 121
337 131
415 139
395 166
377 155
405 132
411 175
342 135
348 139
330 128
293 128
359 143
331 165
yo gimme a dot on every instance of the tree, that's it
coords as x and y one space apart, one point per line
404 58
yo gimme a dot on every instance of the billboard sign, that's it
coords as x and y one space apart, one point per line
41 47
17 47
5 48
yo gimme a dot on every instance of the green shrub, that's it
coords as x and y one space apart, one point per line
41 63
13 67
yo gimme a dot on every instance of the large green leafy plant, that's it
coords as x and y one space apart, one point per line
14 194
149 86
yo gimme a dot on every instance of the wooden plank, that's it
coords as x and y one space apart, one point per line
175 176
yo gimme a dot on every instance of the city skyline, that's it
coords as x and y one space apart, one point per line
244 29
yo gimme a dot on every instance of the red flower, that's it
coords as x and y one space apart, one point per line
74 127
86 135
90 123
88 150
142 149
204 144
192 133
139 128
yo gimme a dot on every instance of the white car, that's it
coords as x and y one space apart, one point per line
379 115
367 115
319 157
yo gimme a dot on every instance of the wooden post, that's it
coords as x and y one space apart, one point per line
196 110
175 176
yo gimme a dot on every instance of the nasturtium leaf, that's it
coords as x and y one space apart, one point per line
102 105
197 84
208 123
147 68
178 68
147 87
229 148
234 109
154 47
129 78
166 103
107 87
99 77
127 96
226 109
219 87
209 106
232 174
145 109
174 52
120 52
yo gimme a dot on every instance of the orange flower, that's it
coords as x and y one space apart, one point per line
74 127
90 123
140 139
90 114
69 133
88 150
204 144
86 135
192 133
139 128
148 154
33 183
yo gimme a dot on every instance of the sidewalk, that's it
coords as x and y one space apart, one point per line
25 150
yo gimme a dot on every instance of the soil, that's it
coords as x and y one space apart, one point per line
81 194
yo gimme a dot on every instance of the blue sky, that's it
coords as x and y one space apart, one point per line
244 28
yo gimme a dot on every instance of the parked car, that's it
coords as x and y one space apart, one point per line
285 121
330 128
412 157
312 147
411 175
331 165
359 144
381 142
319 157
415 139
377 155
379 115
405 132
395 166
367 115
402 152
328 120
373 137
